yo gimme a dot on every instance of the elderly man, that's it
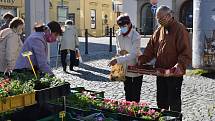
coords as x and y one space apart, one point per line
170 46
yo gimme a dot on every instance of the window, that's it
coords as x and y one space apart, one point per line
186 14
93 18
71 16
62 13
146 19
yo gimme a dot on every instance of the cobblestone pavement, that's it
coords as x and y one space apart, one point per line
198 93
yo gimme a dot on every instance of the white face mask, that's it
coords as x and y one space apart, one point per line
123 29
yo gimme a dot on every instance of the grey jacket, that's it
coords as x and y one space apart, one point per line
10 46
69 40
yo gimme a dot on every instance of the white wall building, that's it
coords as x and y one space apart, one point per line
203 23
130 7
142 16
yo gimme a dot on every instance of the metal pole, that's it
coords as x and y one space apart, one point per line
113 31
110 48
86 41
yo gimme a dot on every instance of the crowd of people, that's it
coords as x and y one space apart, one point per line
169 46
12 47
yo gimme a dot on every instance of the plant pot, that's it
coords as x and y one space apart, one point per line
17 101
47 94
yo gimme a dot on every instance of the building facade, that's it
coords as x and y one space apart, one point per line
144 18
12 6
94 15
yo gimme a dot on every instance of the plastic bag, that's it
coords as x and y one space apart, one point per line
117 73
78 55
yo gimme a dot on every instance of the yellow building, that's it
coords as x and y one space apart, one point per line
12 6
94 15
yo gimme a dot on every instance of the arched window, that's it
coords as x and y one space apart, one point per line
186 13
146 19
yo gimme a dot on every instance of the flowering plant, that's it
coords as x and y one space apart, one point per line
130 108
14 87
87 101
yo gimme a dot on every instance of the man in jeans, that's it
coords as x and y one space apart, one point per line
170 46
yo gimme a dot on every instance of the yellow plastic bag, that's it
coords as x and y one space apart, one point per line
117 71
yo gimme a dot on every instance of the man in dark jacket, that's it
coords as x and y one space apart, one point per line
170 46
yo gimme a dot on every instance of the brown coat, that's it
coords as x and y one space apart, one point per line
169 46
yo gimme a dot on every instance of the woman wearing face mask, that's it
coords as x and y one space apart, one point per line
10 44
128 41
37 43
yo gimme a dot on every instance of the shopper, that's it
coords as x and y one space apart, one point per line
69 43
10 44
37 43
128 41
170 46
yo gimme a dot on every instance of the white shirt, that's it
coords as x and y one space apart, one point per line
130 43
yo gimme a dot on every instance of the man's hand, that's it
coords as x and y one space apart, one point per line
177 70
112 62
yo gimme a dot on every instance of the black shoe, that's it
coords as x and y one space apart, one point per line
71 69
64 69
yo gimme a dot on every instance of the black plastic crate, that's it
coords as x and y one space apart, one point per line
48 94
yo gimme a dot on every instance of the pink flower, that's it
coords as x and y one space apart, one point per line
134 103
128 103
151 112
143 103
140 112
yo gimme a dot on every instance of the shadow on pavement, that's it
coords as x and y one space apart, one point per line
92 68
89 76
96 47
210 75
